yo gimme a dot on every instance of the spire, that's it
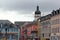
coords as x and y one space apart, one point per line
37 7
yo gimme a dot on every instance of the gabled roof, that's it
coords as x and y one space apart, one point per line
5 21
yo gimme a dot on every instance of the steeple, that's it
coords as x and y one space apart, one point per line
37 13
37 10
37 7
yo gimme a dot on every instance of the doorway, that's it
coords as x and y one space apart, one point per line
47 39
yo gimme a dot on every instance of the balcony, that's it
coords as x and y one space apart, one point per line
10 31
34 31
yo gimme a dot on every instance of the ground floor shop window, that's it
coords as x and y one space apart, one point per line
54 38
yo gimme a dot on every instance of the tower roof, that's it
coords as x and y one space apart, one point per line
37 10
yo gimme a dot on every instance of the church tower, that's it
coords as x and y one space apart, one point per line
37 13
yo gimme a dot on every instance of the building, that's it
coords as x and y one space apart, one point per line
55 25
24 31
37 14
45 27
32 31
37 20
8 31
27 30
22 26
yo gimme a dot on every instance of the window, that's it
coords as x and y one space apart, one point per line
49 34
14 30
59 29
8 30
53 38
55 30
59 21
1 25
55 21
43 34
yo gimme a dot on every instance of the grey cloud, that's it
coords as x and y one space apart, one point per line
29 5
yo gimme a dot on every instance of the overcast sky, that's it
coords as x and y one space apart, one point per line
23 10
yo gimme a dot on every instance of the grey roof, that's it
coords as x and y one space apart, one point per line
45 17
55 12
20 23
5 21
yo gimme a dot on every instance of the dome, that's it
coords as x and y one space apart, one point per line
37 11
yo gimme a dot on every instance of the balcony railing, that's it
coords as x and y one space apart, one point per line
9 31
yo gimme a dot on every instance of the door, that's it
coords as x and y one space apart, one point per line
47 39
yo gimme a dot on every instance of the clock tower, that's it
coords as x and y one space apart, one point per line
37 13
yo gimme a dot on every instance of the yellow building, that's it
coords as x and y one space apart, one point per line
39 30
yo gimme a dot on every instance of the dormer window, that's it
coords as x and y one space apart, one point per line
58 11
53 12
